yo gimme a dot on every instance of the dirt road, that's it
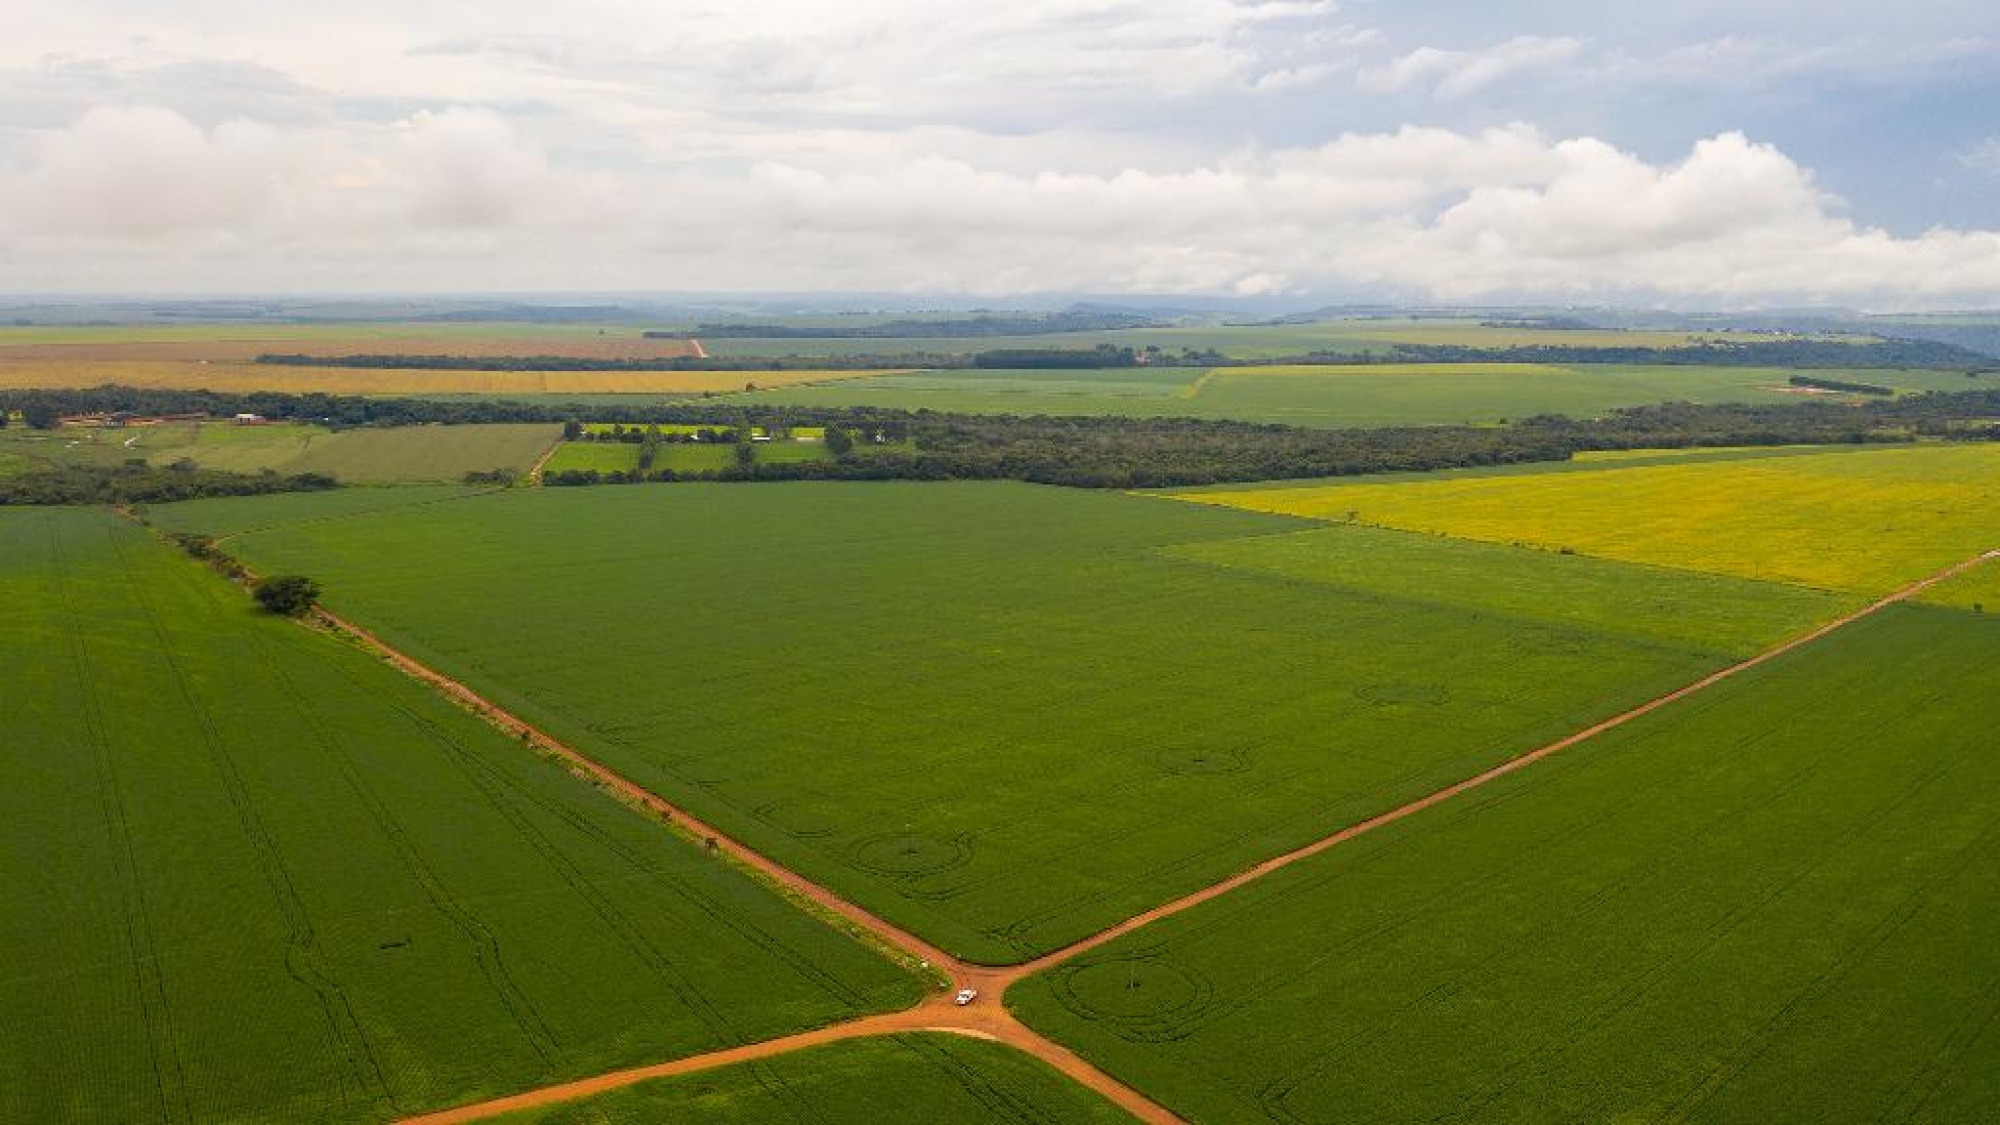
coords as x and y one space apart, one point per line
988 1017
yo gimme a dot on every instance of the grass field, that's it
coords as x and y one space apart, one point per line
920 1079
1008 740
1780 902
361 456
254 875
1860 521
1329 397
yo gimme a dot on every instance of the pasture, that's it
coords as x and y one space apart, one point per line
1860 521
1778 902
915 1079
1001 715
1332 397
256 875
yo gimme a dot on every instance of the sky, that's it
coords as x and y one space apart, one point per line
1696 153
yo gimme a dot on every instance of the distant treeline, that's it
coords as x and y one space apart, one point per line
913 329
1814 382
1807 353
1884 354
139 483
1103 355
1118 452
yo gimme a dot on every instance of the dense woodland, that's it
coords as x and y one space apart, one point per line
139 483
1113 452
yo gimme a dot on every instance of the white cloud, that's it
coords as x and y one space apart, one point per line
461 199
146 174
1983 158
1454 74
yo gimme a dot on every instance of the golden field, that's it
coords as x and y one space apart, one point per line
1860 521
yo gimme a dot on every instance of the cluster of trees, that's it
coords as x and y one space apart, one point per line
1817 383
288 594
1103 355
137 482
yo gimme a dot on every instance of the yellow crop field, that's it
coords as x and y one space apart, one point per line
179 375
1594 455
1860 521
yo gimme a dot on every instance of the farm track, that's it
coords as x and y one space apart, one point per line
987 1018
535 472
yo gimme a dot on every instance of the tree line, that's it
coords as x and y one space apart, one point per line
1887 353
1120 452
136 482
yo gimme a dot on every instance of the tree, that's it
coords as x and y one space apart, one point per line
838 442
40 416
746 455
572 430
289 594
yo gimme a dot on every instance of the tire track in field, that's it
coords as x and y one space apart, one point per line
169 1075
302 958
993 1021
486 947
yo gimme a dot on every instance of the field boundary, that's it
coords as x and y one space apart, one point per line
987 1017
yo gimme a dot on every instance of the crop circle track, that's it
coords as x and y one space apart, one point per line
909 855
1139 998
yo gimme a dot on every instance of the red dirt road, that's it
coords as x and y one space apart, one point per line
987 1017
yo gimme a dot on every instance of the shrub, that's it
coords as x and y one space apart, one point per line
289 594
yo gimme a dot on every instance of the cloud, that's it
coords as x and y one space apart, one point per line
1983 158
1455 74
462 199
147 174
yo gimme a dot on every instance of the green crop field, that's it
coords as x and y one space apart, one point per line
362 456
600 456
253 874
1008 716
1778 902
917 1079
1329 397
